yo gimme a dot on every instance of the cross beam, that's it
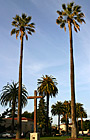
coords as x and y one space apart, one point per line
35 97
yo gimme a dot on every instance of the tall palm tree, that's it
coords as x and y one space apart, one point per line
47 87
57 109
9 94
72 15
23 27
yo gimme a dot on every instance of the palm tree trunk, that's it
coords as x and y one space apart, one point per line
73 108
13 114
77 127
82 124
59 123
47 113
18 135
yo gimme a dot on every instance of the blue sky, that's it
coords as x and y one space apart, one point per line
46 51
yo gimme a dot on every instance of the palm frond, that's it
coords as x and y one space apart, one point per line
30 30
77 8
59 12
69 10
64 14
62 25
82 20
64 6
24 16
31 25
28 19
71 4
58 21
17 33
13 31
16 18
14 23
75 29
76 25
81 15
65 28
29 33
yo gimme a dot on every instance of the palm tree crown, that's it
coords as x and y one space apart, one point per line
22 26
47 85
71 13
57 109
9 94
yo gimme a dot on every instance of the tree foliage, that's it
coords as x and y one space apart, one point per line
9 95
28 115
41 115
71 12
47 86
22 24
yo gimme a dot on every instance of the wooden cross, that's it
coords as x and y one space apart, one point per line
35 108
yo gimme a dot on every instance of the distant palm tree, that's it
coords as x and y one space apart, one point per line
78 106
47 87
9 94
83 114
67 113
80 113
57 109
71 15
21 26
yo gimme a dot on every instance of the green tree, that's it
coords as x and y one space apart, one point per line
28 115
71 15
2 116
9 95
57 109
86 125
47 87
23 27
41 115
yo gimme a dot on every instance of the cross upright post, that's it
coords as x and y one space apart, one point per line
35 108
35 111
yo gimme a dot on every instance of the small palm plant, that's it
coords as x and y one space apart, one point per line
71 15
23 27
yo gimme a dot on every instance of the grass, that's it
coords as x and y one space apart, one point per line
61 138
52 138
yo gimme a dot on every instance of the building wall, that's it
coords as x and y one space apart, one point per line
27 125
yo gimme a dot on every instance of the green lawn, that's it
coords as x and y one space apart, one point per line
53 138
61 138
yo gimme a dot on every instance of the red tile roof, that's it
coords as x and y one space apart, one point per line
23 118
